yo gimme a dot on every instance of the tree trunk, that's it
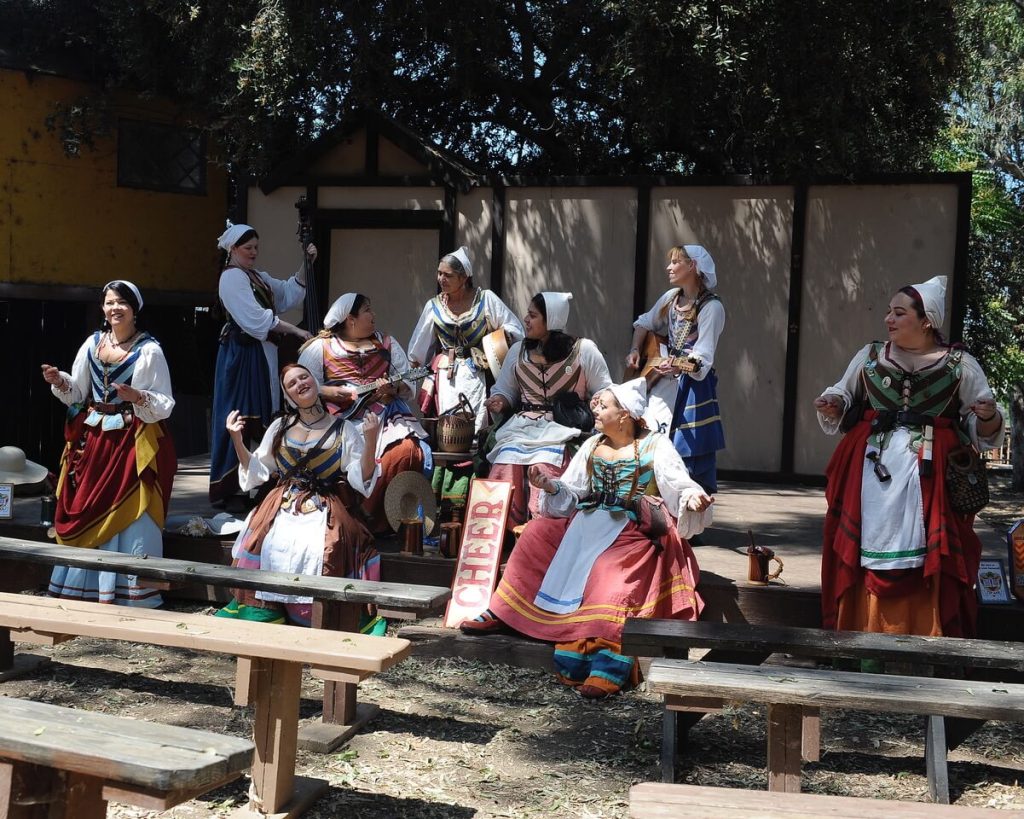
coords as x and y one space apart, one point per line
1017 437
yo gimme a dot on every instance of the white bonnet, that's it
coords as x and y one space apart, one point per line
556 305
229 238
339 310
462 254
129 285
705 264
631 396
933 297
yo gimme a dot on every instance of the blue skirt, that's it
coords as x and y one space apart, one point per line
696 421
241 383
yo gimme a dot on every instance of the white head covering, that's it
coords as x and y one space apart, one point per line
339 310
462 254
229 238
705 264
933 296
16 468
556 305
129 285
284 392
632 396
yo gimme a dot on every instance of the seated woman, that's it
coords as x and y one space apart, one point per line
588 553
304 525
897 557
351 353
536 372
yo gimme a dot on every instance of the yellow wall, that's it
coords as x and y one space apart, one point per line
64 220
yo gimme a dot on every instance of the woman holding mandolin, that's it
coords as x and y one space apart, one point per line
683 399
247 369
361 372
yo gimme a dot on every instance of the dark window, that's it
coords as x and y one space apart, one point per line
160 157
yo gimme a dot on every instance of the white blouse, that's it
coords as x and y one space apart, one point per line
423 344
235 292
710 323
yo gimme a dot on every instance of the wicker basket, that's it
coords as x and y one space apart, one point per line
455 428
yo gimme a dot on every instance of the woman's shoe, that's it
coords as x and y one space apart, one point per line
485 623
374 626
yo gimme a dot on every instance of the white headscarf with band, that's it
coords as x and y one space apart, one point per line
933 297
632 396
340 310
556 305
229 238
129 285
705 264
462 254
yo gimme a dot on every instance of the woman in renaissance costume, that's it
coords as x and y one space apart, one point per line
324 467
897 557
349 354
246 377
684 393
546 368
596 557
118 464
449 337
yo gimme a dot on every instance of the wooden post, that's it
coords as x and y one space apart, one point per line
784 741
275 730
339 698
6 650
935 759
811 734
80 798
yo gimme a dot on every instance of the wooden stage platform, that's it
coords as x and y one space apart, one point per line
787 519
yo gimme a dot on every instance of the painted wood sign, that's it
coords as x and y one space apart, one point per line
483 535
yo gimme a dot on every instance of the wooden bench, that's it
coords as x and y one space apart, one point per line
269 671
787 690
747 644
656 800
70 763
338 605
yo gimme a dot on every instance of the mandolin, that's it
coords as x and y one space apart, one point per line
365 392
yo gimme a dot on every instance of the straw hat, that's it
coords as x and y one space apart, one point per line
406 492
16 468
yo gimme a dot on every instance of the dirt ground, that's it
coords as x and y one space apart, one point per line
458 738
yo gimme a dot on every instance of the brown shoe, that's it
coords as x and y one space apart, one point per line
485 623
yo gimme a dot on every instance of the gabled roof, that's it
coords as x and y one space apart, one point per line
441 164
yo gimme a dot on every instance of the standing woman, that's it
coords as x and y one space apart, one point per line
119 463
684 397
305 524
351 352
539 372
588 564
897 557
246 377
449 336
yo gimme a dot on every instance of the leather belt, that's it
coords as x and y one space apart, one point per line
886 420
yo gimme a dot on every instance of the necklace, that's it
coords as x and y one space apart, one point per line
121 345
317 411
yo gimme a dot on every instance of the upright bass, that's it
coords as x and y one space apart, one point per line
289 346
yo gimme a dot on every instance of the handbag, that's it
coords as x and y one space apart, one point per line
651 516
966 481
569 410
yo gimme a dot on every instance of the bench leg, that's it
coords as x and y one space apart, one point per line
36 792
6 650
935 760
277 687
811 734
785 738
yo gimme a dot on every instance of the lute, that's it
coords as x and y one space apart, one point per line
364 392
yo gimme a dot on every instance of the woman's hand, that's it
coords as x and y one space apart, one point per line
985 409
127 393
497 404
342 397
668 367
371 426
51 375
542 481
385 391
235 424
700 502
831 406
633 359
311 251
285 327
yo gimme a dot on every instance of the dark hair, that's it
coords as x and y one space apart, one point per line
918 304
245 237
558 344
125 292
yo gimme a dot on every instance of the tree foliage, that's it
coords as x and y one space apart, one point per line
557 86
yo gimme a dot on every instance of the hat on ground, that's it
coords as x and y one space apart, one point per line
405 494
16 468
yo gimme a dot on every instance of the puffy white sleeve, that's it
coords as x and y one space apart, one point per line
235 292
423 342
506 386
847 388
288 293
261 462
677 488
710 323
974 387
152 378
399 364
351 457
572 485
498 315
311 356
595 368
79 381
655 320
